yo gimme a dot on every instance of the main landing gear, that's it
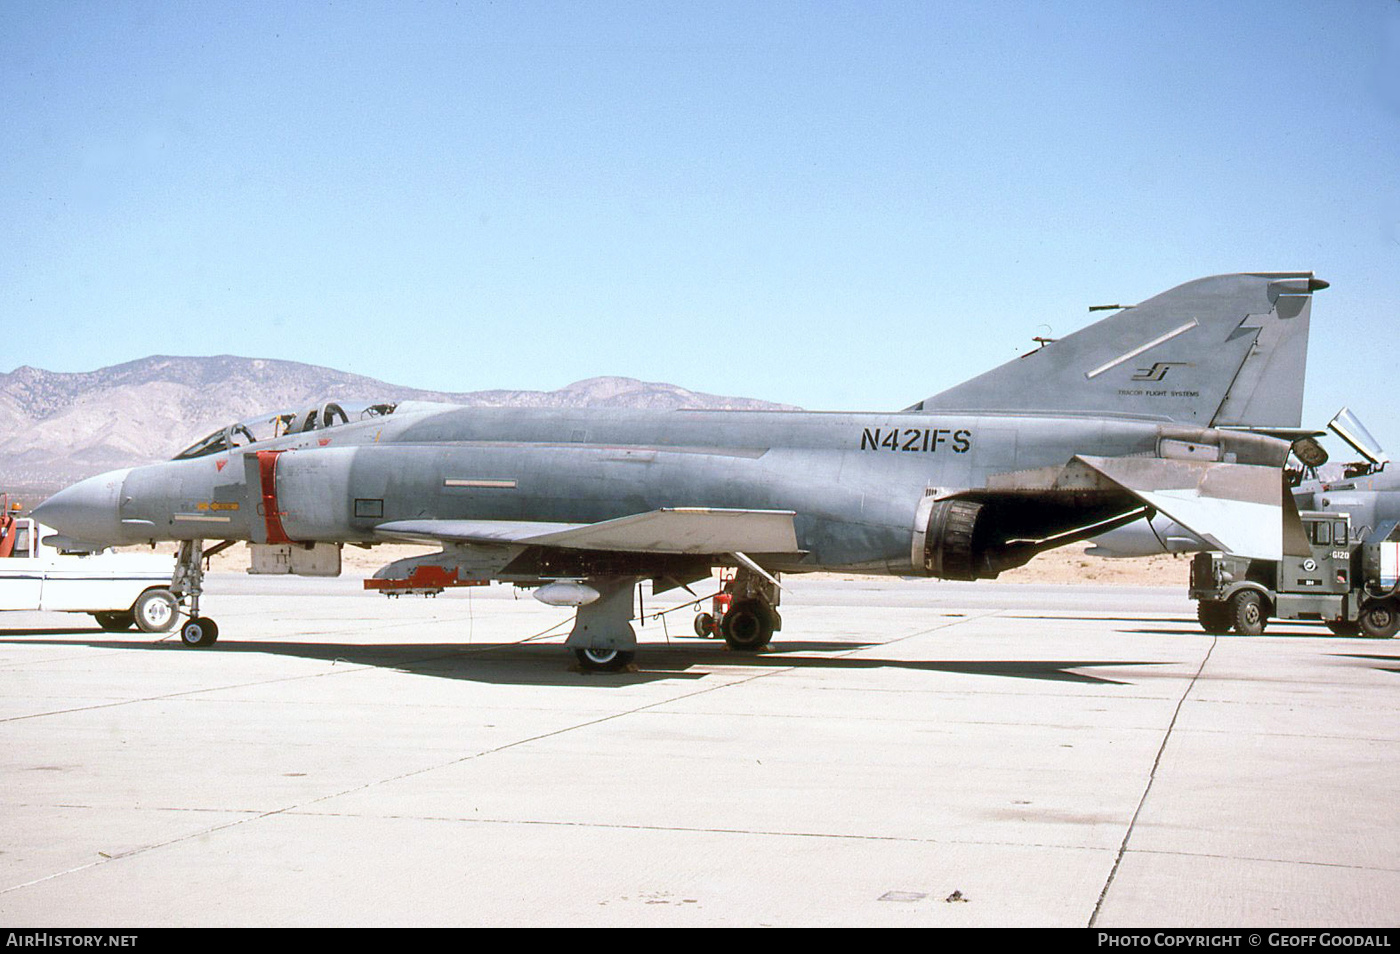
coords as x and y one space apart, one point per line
604 660
744 612
602 638
187 583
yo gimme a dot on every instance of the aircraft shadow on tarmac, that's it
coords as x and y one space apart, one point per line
1380 659
547 663
1288 630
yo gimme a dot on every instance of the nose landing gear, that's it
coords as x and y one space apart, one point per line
187 583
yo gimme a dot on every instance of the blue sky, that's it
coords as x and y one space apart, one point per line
836 205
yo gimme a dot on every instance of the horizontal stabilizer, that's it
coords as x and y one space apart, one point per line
1237 508
690 530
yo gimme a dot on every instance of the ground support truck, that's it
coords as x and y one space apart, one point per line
1349 584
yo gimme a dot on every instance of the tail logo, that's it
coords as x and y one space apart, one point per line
1159 370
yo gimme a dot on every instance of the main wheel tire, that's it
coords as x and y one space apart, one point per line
115 622
1214 616
705 626
748 626
156 611
1380 620
1249 614
604 660
199 632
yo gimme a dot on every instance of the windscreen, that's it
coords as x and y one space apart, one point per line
265 427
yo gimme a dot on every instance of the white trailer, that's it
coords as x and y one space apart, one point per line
118 589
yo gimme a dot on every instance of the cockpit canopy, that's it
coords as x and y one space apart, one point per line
265 427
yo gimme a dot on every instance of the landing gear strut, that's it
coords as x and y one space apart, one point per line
744 611
602 638
187 582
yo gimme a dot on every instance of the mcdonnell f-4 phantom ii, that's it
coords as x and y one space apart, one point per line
1186 404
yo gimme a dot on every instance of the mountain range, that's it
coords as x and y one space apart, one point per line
56 428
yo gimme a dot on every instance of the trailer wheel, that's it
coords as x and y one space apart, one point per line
1214 616
1380 620
1250 616
705 626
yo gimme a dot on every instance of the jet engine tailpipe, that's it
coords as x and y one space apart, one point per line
950 545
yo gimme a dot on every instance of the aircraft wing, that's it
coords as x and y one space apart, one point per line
678 530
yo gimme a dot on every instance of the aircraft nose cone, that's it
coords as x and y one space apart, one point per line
88 510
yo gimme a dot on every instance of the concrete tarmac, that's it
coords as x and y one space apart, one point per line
908 753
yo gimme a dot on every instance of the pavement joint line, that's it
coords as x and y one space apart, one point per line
137 808
1290 703
1272 861
1086 692
176 695
296 809
1319 736
16 666
687 829
462 819
931 721
907 839
1152 777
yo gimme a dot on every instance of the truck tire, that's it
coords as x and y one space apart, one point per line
156 611
1214 616
1249 613
1380 620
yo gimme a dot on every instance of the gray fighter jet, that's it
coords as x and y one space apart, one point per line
1186 404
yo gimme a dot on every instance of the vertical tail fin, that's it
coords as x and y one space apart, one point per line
1229 350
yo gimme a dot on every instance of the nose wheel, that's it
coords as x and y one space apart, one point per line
199 631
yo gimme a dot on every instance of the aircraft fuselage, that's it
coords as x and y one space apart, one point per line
854 480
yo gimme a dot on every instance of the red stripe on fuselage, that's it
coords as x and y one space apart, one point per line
272 516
